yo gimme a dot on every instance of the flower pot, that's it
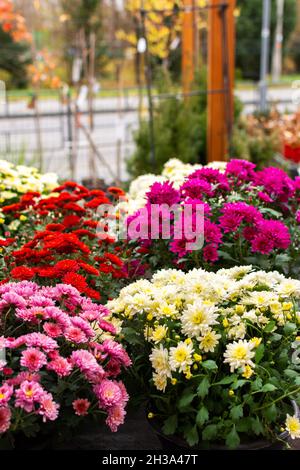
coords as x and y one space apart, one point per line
176 443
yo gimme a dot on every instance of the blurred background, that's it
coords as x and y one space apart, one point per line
107 90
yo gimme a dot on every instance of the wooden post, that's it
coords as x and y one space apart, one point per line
188 46
221 46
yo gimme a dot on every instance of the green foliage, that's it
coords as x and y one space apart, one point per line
179 130
248 31
14 58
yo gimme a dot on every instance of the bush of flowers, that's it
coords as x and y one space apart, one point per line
63 239
217 350
174 171
17 180
250 217
61 362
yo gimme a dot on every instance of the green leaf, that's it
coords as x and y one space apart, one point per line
202 416
259 353
268 210
257 426
256 384
186 398
236 412
270 326
209 364
227 380
270 413
291 373
203 388
244 425
170 425
268 388
131 335
238 384
282 258
225 255
210 432
289 328
232 439
191 435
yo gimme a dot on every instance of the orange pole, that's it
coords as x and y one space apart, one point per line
188 46
220 106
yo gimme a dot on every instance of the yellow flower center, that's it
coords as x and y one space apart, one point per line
240 352
294 425
29 393
180 355
2 396
198 317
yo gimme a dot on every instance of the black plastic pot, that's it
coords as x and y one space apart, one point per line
176 443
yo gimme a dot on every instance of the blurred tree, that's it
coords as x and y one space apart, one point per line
163 25
248 32
81 19
14 40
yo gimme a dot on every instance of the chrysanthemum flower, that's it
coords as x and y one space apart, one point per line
5 417
239 354
33 359
181 356
81 406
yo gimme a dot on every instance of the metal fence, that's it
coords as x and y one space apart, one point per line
44 134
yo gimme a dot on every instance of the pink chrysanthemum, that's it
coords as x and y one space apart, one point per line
5 417
210 253
81 406
84 326
27 395
108 393
163 193
48 408
33 359
116 351
6 392
116 417
60 366
52 329
75 335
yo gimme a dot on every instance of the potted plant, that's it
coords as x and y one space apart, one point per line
220 351
249 217
59 365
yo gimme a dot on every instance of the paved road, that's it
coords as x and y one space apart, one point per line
18 134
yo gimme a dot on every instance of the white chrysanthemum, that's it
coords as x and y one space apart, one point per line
159 358
181 356
292 424
239 354
236 272
209 341
218 165
158 334
258 298
169 276
250 315
289 287
160 381
237 331
197 318
165 309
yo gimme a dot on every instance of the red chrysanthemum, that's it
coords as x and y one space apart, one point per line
22 273
76 280
71 221
113 259
88 268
